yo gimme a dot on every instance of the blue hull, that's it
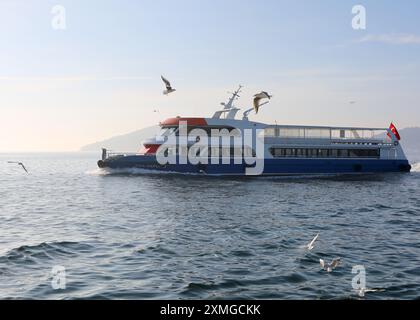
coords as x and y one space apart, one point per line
271 166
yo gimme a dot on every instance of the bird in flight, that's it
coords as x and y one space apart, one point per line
362 291
20 164
311 245
258 97
329 267
168 86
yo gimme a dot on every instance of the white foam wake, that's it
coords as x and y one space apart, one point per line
415 167
97 172
133 171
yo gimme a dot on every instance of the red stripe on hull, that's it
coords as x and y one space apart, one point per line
151 148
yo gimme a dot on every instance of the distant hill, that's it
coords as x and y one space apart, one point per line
131 142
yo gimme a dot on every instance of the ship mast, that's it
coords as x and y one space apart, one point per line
235 95
229 109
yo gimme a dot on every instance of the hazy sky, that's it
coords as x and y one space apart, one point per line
61 89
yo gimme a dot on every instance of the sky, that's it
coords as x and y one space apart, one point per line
100 76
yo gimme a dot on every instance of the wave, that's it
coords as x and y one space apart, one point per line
140 171
44 250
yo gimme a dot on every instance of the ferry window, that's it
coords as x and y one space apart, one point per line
291 133
236 152
215 152
278 152
353 153
312 153
342 153
226 152
317 133
300 153
183 151
334 153
270 132
249 152
323 153
290 152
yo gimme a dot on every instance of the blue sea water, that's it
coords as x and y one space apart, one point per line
133 235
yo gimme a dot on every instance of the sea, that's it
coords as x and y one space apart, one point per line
69 230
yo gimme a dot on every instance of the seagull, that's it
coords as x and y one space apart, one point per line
169 88
330 267
20 164
310 246
352 102
258 97
362 291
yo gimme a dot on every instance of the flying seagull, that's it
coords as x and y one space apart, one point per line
168 86
352 102
362 291
310 246
20 164
330 267
258 97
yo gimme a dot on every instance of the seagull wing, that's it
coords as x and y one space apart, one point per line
22 165
322 263
260 95
311 244
335 263
167 83
266 94
257 103
375 290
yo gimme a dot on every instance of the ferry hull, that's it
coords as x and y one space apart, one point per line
271 166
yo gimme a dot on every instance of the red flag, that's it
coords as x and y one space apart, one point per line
394 130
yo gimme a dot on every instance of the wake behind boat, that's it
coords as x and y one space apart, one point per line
225 145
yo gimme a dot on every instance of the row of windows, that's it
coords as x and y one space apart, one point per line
325 153
210 131
203 152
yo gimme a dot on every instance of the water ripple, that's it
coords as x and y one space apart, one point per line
133 235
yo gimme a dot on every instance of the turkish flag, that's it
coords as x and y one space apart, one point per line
394 130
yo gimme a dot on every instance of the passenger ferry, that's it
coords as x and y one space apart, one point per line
275 149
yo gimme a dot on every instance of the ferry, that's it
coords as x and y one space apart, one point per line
272 149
